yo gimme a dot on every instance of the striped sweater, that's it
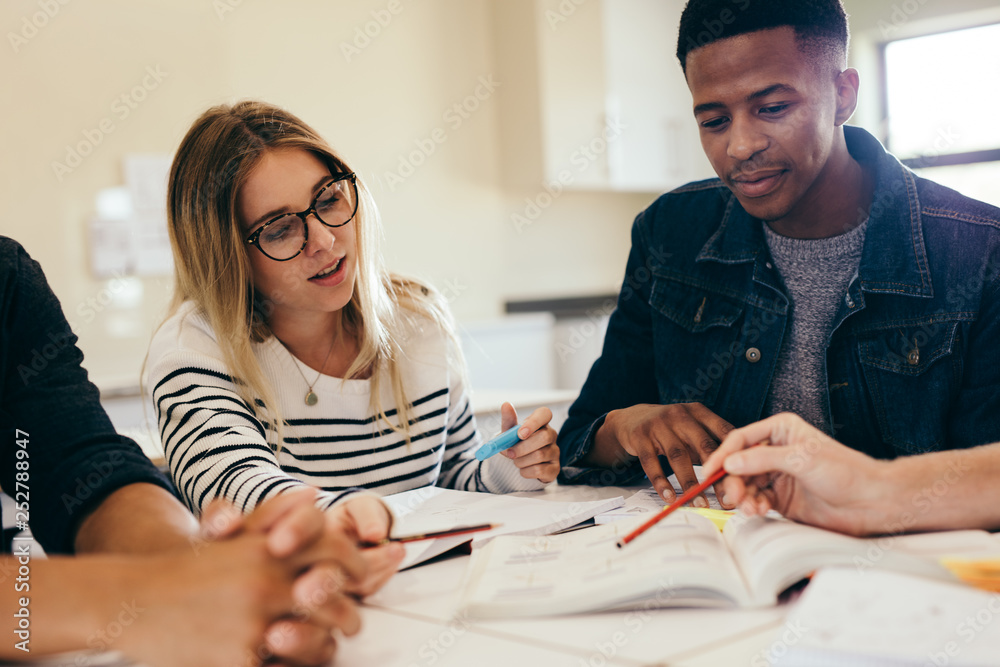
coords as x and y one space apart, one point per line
216 447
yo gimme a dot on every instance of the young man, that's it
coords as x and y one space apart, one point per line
163 591
816 275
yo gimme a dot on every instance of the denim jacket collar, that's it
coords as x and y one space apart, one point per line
894 259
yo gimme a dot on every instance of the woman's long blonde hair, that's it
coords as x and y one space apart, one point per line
212 268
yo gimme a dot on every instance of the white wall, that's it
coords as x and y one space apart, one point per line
449 222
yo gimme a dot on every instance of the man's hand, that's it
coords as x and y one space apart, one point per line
325 557
685 433
229 602
803 474
537 455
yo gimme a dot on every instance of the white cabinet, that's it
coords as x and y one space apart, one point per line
613 108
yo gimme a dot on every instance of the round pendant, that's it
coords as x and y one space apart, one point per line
311 398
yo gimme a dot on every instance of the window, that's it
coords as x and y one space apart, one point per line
942 97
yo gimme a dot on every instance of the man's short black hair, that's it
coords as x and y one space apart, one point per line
820 25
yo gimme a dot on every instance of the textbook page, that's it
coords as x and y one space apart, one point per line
774 553
878 618
681 561
432 508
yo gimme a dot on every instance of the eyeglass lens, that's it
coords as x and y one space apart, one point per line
335 205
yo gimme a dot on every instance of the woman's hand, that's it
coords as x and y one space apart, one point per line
537 455
803 474
366 519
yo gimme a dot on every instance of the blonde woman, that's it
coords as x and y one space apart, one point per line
291 356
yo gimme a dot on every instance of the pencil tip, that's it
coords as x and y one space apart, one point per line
619 543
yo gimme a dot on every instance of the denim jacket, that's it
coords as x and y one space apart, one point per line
913 361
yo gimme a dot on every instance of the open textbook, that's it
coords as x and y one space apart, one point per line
685 561
432 508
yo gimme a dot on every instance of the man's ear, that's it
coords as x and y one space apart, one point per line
847 83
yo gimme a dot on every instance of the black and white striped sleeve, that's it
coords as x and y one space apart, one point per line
460 469
214 444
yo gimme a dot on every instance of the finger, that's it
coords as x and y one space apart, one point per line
383 562
700 445
734 442
295 530
680 462
538 419
371 518
538 440
546 454
271 511
733 492
543 472
718 427
333 547
220 519
650 462
508 417
300 643
321 597
760 460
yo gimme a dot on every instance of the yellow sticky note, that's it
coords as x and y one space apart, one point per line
718 517
984 574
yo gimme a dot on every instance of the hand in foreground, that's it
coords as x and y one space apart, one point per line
327 565
366 519
228 602
803 474
685 433
537 455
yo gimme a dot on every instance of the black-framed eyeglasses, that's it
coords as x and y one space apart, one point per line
284 236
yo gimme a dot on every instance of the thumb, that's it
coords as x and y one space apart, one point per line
370 517
508 417
220 520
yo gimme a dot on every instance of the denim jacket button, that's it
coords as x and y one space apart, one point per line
913 357
753 355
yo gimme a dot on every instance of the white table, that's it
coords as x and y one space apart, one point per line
412 623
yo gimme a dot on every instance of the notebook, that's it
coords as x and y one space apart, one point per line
432 508
685 561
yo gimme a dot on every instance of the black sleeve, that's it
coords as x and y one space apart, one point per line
74 457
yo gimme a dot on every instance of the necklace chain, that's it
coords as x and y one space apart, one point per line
311 397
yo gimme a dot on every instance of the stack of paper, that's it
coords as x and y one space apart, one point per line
432 508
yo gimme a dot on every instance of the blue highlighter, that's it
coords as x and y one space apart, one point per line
505 440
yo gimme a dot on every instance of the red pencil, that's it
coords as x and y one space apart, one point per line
680 502
450 532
